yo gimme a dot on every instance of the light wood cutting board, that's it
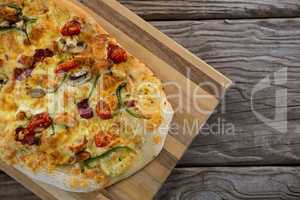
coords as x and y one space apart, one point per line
201 87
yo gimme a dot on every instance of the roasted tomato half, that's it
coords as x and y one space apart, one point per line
71 28
116 54
39 122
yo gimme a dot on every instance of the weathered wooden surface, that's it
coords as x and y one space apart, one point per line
255 183
11 190
246 51
213 9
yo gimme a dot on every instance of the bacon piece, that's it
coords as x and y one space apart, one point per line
66 66
103 140
41 54
103 110
71 28
116 54
39 122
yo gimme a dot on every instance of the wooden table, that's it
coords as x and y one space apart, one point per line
237 155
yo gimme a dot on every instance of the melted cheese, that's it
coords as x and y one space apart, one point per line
56 140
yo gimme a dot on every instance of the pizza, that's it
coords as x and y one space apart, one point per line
77 110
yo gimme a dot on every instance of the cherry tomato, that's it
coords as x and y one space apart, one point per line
39 122
71 28
116 54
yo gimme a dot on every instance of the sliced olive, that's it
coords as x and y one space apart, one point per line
36 92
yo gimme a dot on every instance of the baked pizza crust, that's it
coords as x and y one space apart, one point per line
62 177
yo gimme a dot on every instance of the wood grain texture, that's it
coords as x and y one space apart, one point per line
255 183
168 61
259 183
11 190
246 51
258 48
213 9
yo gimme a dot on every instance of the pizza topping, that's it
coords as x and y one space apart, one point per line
21 73
21 115
82 156
24 136
79 147
55 87
71 28
1 62
41 54
103 110
109 81
135 112
36 92
103 140
39 122
67 66
129 106
130 103
92 162
26 61
80 76
10 13
70 45
12 18
73 63
30 61
84 109
3 80
65 119
116 54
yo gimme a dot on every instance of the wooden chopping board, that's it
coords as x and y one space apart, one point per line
194 89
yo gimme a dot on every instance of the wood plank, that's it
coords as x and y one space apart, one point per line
246 51
213 9
259 183
11 190
168 60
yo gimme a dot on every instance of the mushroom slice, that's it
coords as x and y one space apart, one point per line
79 76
